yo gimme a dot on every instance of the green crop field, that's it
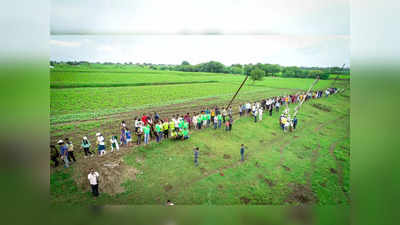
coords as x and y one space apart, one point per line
308 166
81 93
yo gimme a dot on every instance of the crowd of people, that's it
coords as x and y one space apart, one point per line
152 126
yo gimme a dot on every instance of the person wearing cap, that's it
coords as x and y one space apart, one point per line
64 153
70 150
93 177
86 146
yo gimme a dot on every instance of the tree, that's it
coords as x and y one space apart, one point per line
257 74
185 63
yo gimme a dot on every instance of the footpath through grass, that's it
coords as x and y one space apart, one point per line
308 166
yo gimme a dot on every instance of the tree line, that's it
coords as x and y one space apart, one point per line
262 70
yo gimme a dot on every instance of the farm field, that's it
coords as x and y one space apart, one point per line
116 90
308 166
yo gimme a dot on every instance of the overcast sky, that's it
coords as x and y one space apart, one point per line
302 33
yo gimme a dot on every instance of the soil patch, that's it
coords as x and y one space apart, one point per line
286 168
333 170
226 156
168 187
266 180
322 107
112 170
244 200
220 186
203 170
301 194
273 134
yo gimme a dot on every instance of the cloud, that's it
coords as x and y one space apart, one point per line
105 48
65 43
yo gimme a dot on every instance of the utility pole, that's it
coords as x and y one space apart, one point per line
234 96
299 105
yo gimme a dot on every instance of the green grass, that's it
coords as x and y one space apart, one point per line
172 163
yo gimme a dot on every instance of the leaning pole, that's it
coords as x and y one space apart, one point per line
234 96
299 105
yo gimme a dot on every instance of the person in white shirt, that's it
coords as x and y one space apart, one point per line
248 107
136 124
93 178
101 146
194 120
260 113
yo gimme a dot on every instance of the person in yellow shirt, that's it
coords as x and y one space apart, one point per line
165 126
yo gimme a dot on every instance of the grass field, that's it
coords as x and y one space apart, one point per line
309 166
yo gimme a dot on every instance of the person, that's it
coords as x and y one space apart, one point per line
240 110
93 178
212 115
215 122
101 147
64 153
248 107
283 122
158 132
242 152
208 117
199 121
185 133
174 134
230 111
224 114
54 154
196 156
139 133
166 128
204 116
114 143
136 124
128 137
123 136
86 147
277 105
144 119
230 123
146 131
255 113
179 135
70 150
294 122
260 113
219 120
156 116
227 125
169 203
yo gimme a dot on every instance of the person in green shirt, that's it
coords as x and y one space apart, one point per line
185 125
204 119
185 134
180 134
199 121
219 120
208 117
158 132
146 131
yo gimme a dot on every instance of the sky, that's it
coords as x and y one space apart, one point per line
301 33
